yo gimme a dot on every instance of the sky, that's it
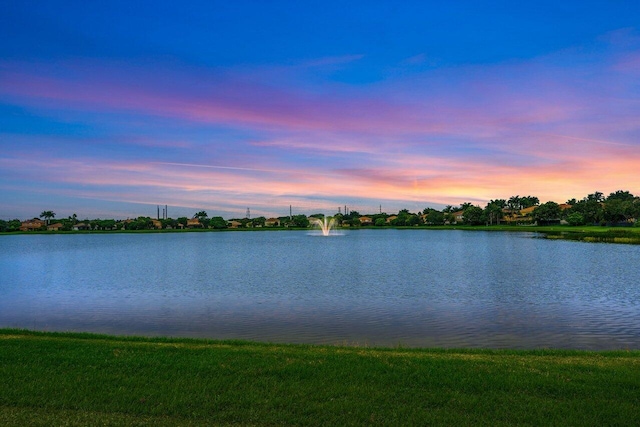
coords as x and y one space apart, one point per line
109 109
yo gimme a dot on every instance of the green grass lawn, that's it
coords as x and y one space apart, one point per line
541 228
81 379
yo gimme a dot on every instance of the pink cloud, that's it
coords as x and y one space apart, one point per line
221 101
559 126
482 107
628 63
190 185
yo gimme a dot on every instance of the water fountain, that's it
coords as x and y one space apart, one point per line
325 224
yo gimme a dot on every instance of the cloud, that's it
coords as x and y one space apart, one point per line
628 63
557 126
332 60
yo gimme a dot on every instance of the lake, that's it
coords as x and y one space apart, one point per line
414 288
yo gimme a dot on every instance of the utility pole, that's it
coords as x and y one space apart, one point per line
290 213
248 213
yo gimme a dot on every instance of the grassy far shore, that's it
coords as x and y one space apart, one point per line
583 233
592 233
83 379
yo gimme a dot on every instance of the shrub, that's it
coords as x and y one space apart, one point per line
575 219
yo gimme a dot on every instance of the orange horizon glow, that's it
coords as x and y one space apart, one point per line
88 132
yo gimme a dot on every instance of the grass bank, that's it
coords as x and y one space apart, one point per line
629 235
79 379
592 233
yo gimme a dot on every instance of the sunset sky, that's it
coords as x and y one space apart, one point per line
108 109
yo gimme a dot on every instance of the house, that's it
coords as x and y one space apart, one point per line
32 225
55 227
366 220
194 223
527 211
81 226
523 215
391 218
234 224
458 216
272 222
157 224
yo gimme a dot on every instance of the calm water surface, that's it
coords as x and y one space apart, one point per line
366 287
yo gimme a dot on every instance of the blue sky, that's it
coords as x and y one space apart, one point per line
108 109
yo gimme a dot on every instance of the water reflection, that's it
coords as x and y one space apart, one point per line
368 287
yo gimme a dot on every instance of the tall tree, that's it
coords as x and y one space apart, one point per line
47 215
624 196
618 210
218 222
590 208
494 210
403 217
435 217
514 204
259 221
474 215
547 212
528 201
300 221
595 196
201 215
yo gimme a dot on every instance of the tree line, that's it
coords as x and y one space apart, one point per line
618 208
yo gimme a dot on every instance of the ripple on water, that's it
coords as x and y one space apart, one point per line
373 287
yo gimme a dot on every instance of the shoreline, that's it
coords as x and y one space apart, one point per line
16 333
591 234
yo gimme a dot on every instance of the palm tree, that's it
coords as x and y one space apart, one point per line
201 215
494 210
47 215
